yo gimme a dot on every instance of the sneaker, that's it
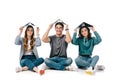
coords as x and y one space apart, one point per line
100 67
90 71
44 67
18 69
70 68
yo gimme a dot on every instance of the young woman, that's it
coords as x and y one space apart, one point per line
86 44
29 59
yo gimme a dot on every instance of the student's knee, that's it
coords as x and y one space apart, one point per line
77 60
47 61
38 61
41 60
96 57
22 62
69 60
80 61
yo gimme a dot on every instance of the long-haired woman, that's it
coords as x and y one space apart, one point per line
29 59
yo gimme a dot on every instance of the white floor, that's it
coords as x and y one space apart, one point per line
60 75
103 14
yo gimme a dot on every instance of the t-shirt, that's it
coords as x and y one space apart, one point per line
58 46
28 52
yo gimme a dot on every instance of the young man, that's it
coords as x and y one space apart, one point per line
58 56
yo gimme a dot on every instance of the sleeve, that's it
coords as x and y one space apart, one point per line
51 37
74 39
97 39
18 40
37 41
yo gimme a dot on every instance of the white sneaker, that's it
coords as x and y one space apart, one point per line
100 67
70 68
90 71
18 69
44 67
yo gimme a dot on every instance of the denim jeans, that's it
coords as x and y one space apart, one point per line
30 61
84 62
58 63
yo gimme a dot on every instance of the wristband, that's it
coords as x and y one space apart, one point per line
66 29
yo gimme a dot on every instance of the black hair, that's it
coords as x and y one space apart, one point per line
59 23
80 34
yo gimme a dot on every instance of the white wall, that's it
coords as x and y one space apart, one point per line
103 14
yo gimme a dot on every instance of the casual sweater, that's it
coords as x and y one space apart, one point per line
19 41
86 45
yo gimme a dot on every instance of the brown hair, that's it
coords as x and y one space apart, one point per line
25 40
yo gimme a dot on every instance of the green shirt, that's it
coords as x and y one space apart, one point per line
86 45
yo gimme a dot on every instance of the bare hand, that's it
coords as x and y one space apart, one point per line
75 30
92 28
66 26
37 30
21 30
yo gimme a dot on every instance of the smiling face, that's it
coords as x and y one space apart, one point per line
59 28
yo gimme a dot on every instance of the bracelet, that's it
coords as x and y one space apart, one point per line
66 29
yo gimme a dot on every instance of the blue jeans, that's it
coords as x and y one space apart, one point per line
58 63
30 61
84 62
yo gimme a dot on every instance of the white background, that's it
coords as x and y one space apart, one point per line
103 14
